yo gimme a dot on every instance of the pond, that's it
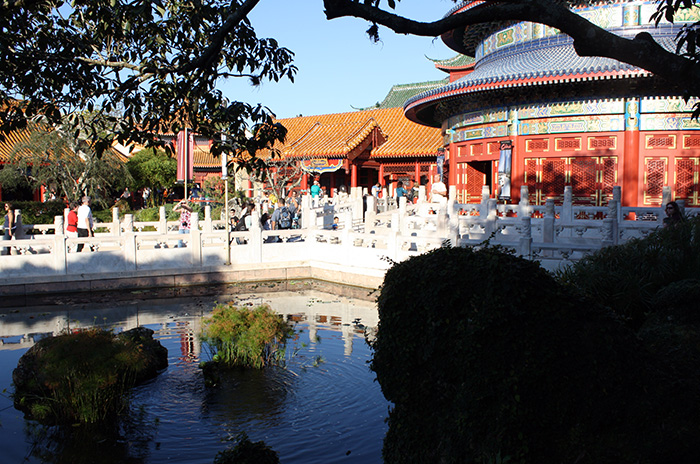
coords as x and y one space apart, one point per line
325 407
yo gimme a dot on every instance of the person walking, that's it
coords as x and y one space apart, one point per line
72 220
85 222
10 226
185 211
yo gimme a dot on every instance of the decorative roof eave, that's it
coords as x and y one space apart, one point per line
455 90
393 155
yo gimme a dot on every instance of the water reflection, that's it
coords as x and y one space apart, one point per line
308 413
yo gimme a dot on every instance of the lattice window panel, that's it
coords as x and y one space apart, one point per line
691 141
655 177
686 186
554 178
602 143
661 141
607 178
532 178
583 175
592 179
536 145
461 176
567 144
494 147
476 149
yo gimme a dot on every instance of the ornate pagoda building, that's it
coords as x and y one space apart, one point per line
529 107
359 148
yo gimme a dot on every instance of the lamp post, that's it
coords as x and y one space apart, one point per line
224 176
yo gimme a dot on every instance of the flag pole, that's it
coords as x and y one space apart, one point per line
187 157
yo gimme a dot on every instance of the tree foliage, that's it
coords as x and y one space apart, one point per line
149 66
66 166
152 168
680 68
487 359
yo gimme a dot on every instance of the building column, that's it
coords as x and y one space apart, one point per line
452 158
630 157
381 175
417 173
353 176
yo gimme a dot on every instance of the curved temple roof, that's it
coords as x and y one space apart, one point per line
540 62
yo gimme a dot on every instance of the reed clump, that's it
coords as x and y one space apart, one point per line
250 337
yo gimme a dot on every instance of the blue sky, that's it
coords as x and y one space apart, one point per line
339 67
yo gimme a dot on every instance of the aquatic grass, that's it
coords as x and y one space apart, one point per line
247 337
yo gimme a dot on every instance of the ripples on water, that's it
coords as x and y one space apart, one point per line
310 412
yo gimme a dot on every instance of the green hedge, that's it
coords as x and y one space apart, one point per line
488 359
36 212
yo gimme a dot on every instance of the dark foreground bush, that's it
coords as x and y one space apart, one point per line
486 358
85 377
627 277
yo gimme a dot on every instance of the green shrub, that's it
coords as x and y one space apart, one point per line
486 358
36 212
246 337
247 452
627 277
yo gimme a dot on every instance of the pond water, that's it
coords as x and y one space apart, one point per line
325 407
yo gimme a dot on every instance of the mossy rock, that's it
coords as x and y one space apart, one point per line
85 376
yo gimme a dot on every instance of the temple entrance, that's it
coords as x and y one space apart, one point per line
471 177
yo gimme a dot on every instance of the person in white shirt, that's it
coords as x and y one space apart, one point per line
85 222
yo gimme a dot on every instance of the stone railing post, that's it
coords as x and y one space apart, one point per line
371 213
130 258
60 260
393 239
452 194
116 229
608 232
548 221
613 214
524 209
490 216
195 240
255 243
666 196
128 225
453 234
306 214
65 222
567 209
162 221
617 198
208 226
421 194
402 214
525 237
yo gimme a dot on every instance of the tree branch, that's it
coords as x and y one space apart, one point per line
589 40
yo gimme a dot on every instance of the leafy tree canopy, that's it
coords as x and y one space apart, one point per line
148 66
680 67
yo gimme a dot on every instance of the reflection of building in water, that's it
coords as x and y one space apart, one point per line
190 346
352 318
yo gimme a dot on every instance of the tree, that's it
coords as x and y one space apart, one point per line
153 169
149 66
281 175
64 165
680 68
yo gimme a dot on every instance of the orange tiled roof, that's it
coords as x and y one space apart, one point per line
20 136
335 135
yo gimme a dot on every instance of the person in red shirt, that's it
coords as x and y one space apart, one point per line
72 220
